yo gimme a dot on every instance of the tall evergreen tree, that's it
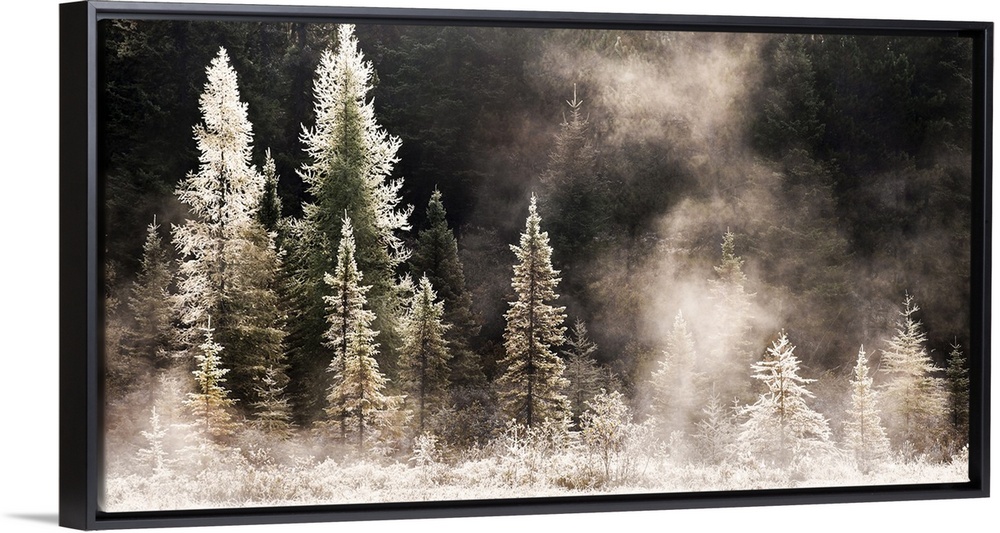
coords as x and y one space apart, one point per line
532 386
221 196
915 397
350 159
356 403
424 358
958 393
228 263
780 426
436 256
864 435
153 336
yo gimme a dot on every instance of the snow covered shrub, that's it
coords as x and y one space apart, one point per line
425 450
609 434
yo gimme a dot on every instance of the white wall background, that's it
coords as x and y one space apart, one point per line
29 294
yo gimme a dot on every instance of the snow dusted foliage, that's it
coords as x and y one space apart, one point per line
532 385
915 398
608 433
780 427
423 364
357 408
346 306
350 158
674 397
864 436
229 264
222 195
153 336
584 376
210 405
347 148
716 431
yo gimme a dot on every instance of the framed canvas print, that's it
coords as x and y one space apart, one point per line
330 263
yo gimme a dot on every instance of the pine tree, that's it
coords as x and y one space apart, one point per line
715 432
211 404
914 396
436 256
356 404
864 435
229 264
425 354
531 388
584 376
574 197
155 454
269 211
780 426
350 159
958 393
222 195
272 410
673 382
730 347
153 336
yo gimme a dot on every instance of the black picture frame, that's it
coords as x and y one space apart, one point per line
81 366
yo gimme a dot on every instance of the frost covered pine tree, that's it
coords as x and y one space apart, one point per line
715 432
153 337
780 427
423 363
210 405
350 158
356 404
674 395
864 436
584 377
229 264
436 256
531 389
221 195
155 455
915 398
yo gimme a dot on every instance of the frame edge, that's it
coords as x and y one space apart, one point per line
77 501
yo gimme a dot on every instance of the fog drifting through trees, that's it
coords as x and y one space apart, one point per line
457 263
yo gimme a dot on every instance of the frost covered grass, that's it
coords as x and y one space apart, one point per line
514 466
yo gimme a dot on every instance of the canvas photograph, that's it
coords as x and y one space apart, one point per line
349 262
